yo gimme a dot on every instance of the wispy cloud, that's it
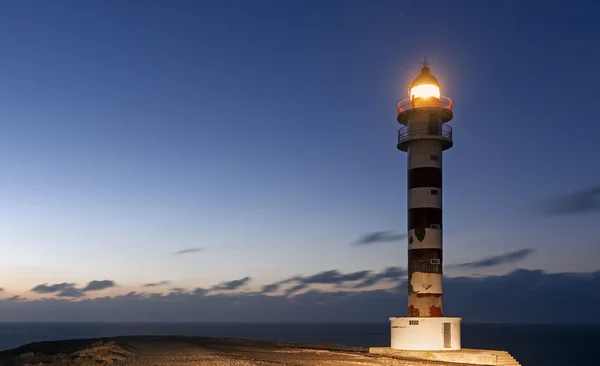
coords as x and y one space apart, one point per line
473 298
155 284
581 201
188 251
389 273
338 279
98 285
511 257
292 290
70 290
333 277
48 289
16 298
200 291
270 288
232 285
379 237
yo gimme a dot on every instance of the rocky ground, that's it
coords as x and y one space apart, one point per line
188 351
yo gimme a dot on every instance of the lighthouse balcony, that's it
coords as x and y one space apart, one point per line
408 108
427 131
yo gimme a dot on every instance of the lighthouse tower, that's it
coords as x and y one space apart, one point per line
424 135
426 334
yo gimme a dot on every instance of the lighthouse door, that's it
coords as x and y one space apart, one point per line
447 335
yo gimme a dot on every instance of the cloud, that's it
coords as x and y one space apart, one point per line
69 290
389 273
188 251
511 257
155 284
351 280
378 237
333 277
16 298
48 289
99 285
289 280
581 201
486 299
1 289
200 291
292 290
232 285
270 288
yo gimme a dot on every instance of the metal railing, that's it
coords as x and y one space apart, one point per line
424 130
407 104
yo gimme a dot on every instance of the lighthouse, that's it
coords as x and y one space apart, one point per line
426 333
424 135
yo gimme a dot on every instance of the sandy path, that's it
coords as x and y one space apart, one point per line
188 353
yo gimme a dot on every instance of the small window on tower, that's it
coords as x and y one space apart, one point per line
434 261
435 157
435 226
435 192
413 322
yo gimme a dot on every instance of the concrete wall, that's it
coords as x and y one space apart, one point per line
424 333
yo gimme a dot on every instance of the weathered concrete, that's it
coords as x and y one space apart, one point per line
463 356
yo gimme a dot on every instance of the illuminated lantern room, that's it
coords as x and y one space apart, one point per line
424 86
424 96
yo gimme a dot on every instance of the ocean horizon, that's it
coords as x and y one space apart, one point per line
532 344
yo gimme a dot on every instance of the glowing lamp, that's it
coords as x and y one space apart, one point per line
425 91
424 85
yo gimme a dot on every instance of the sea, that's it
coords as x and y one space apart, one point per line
530 344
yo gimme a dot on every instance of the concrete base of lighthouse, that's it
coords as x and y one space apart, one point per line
436 339
425 334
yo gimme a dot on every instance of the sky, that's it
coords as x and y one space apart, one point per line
208 149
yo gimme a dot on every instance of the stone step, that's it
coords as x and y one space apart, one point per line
505 359
463 356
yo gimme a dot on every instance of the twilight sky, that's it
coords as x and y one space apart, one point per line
134 134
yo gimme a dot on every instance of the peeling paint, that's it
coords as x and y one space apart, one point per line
435 311
426 282
425 305
412 311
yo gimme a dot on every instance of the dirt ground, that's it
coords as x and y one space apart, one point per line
188 351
